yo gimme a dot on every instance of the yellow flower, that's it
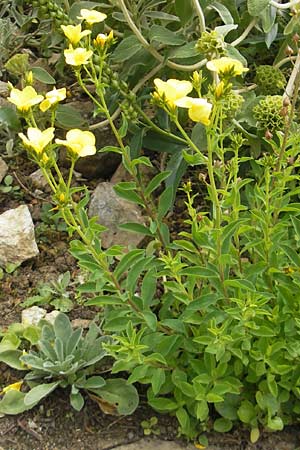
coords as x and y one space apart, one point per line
53 97
77 56
172 90
37 139
199 108
91 16
74 33
101 39
12 387
24 99
81 143
226 66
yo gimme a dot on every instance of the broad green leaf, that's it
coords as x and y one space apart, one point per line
69 117
12 359
120 394
37 393
163 35
255 7
162 404
296 225
241 284
127 48
222 425
63 328
185 51
9 117
77 401
13 403
42 75
184 10
246 412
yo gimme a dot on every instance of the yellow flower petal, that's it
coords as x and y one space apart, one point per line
172 90
37 139
91 16
199 109
53 97
226 66
77 56
24 99
74 33
80 143
12 387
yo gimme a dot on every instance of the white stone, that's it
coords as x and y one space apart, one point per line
113 211
32 315
51 316
17 242
3 169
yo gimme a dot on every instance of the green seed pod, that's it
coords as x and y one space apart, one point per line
231 104
270 80
269 113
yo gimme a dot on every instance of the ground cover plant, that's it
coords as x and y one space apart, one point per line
209 319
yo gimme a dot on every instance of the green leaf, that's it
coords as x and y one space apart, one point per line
198 271
69 117
42 75
37 393
129 195
158 380
162 35
62 328
162 404
202 410
135 228
214 398
222 425
246 412
188 50
121 394
156 182
241 284
77 401
184 10
254 435
165 202
223 12
184 420
13 403
127 48
12 359
255 7
124 127
296 225
9 117
150 319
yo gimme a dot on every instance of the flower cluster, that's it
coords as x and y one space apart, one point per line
79 143
26 98
270 113
79 54
270 80
173 93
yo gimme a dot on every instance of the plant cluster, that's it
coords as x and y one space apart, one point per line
207 320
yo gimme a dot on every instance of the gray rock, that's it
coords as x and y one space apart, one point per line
17 242
38 180
3 169
113 211
155 444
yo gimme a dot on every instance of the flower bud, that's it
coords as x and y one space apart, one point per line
288 51
296 38
268 135
286 102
